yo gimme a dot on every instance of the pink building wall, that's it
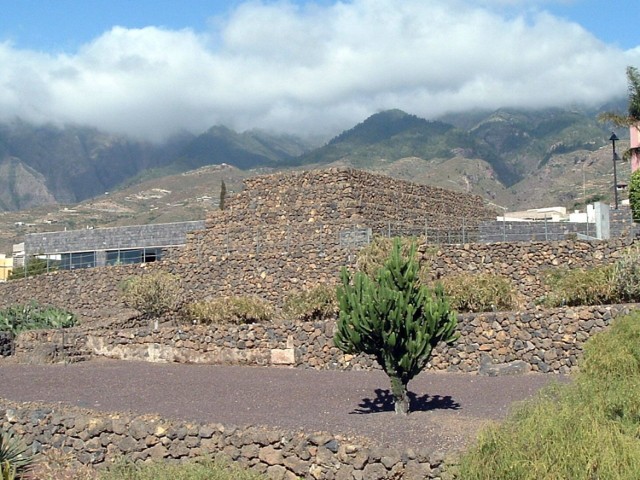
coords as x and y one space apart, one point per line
634 133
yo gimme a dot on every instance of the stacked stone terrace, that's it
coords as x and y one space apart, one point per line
290 231
310 209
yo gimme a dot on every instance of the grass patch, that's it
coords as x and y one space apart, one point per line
203 469
56 465
581 286
627 275
586 430
481 292
235 310
315 304
614 283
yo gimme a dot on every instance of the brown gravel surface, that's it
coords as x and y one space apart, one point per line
448 408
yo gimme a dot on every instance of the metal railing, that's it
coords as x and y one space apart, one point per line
286 239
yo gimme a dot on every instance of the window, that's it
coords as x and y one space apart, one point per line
136 255
71 261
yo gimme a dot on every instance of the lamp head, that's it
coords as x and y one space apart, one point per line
614 137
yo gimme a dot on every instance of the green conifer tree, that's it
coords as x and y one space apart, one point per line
223 194
395 319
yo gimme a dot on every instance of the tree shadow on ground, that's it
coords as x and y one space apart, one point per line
383 402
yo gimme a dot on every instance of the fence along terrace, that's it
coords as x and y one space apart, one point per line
107 246
312 211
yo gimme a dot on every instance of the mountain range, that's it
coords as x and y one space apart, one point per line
514 158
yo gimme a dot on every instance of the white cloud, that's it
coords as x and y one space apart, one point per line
309 69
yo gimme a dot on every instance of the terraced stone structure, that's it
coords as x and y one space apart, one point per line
295 210
294 230
284 232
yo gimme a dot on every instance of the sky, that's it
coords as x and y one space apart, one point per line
155 68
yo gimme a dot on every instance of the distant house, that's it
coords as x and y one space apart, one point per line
634 145
106 246
6 265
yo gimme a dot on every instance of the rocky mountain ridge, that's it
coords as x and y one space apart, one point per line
55 178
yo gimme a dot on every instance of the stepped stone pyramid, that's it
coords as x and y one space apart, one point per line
296 210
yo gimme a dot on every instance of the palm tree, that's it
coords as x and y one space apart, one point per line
631 119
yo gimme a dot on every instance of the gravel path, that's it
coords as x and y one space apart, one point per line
448 408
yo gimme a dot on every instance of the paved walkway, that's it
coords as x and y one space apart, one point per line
448 409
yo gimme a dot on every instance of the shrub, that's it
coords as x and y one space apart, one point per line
583 430
15 460
482 292
372 258
236 310
32 316
154 294
626 275
582 286
33 266
634 195
314 304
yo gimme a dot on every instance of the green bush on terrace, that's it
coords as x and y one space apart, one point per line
31 316
627 275
580 286
316 303
481 292
585 430
372 258
153 294
614 283
467 292
32 267
236 310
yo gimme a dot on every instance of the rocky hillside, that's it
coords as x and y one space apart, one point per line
71 164
514 143
42 165
181 197
55 178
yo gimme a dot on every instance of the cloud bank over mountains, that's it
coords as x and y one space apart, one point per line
314 68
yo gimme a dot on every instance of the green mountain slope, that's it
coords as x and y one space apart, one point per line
76 163
391 135
492 153
526 140
242 150
515 143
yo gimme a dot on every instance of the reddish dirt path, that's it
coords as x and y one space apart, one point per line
448 408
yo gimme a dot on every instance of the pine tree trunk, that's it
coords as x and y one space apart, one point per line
400 398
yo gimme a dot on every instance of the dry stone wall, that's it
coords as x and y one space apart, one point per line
95 294
344 194
307 211
535 340
96 438
525 263
284 233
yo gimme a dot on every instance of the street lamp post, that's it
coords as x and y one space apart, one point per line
613 139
